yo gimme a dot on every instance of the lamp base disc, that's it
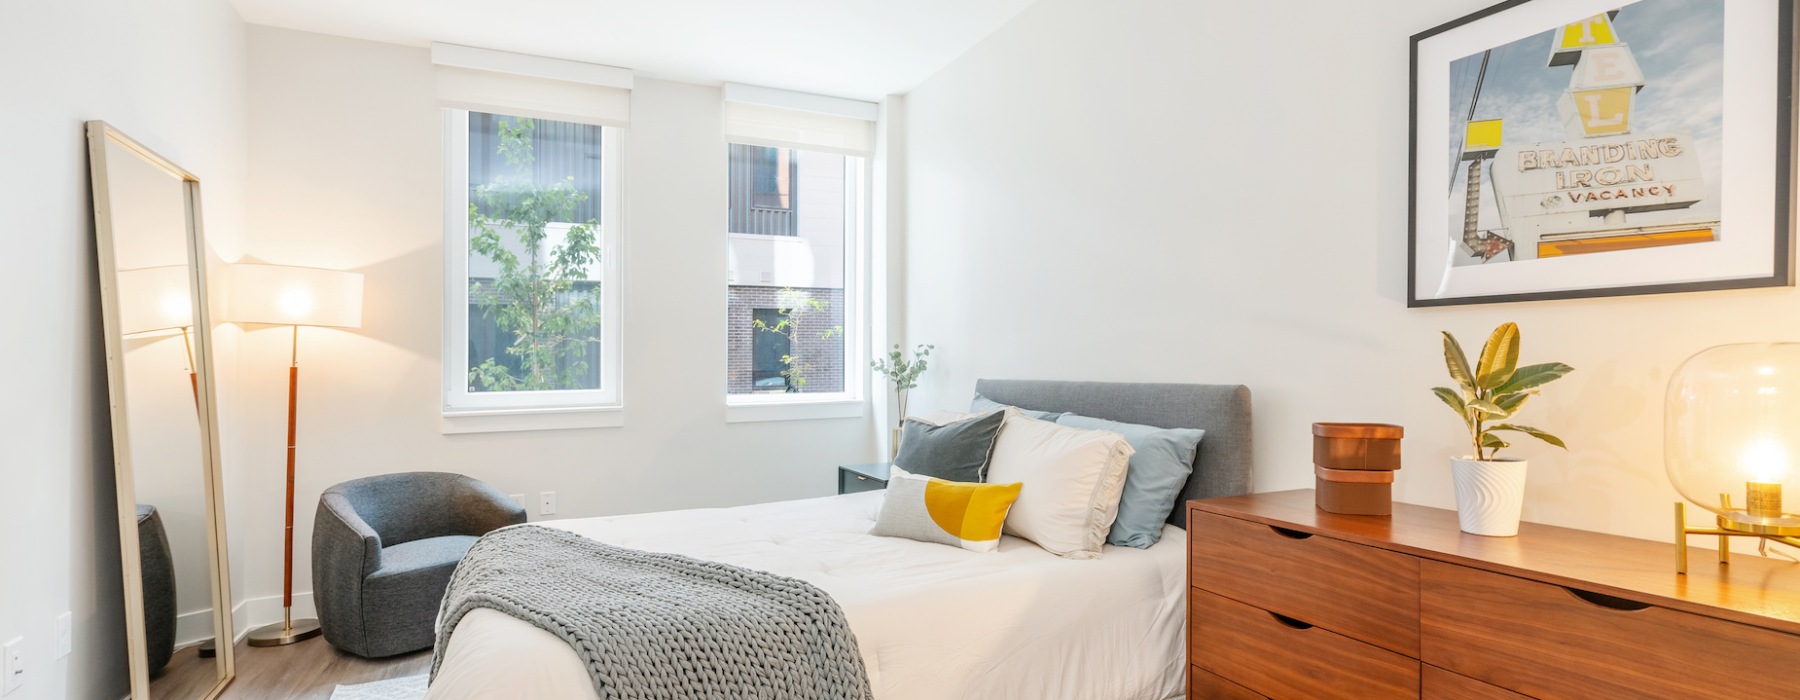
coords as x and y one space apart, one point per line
280 634
208 649
1758 529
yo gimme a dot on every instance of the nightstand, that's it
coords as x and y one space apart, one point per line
857 478
1287 601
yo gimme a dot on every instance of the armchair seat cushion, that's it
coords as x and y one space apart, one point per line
421 556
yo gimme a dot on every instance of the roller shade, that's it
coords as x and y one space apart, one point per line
483 80
768 117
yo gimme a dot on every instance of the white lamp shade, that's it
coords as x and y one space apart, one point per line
294 296
154 299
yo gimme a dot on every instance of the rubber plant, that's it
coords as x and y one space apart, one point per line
1494 390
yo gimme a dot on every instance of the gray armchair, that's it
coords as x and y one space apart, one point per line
383 551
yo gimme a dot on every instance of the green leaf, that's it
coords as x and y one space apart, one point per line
1489 408
1534 432
1493 441
1533 376
1453 400
1499 357
1458 362
1512 402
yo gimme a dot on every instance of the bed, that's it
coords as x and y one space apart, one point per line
931 621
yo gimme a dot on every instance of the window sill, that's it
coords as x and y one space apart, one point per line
756 411
522 419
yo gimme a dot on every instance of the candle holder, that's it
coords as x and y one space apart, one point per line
1732 426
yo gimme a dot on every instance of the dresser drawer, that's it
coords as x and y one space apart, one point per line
1438 684
1547 641
1287 658
1360 592
1203 685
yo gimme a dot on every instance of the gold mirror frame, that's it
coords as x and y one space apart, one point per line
99 135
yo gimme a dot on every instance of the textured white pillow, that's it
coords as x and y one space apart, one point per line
1072 480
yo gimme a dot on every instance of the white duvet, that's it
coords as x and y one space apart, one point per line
932 621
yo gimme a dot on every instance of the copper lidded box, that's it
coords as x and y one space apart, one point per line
1353 467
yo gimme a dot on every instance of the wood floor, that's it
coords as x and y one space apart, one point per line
311 669
186 676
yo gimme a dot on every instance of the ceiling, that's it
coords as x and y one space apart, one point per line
847 48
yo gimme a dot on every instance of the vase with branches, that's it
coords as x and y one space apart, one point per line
903 373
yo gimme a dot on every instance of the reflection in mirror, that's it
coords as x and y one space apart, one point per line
148 236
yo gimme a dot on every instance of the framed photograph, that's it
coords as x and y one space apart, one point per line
1583 148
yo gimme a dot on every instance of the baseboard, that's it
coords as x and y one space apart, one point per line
193 628
252 613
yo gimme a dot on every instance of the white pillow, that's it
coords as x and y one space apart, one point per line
1072 477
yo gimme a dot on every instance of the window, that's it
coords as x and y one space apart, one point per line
797 171
532 240
795 218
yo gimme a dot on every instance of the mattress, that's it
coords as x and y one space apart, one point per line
931 621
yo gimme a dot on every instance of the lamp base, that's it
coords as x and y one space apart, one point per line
1727 529
282 634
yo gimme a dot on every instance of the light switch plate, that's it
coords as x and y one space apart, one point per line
65 634
12 663
547 503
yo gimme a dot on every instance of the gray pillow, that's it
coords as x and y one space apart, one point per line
983 404
1153 481
953 451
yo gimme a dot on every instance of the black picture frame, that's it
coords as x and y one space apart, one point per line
1782 257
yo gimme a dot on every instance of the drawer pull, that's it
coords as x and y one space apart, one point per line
1290 534
1606 601
1290 622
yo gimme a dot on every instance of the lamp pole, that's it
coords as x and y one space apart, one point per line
289 631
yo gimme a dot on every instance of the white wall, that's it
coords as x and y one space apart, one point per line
68 62
1186 191
345 173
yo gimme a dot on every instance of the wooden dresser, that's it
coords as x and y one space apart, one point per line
1287 601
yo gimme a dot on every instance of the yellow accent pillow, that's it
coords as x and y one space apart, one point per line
966 515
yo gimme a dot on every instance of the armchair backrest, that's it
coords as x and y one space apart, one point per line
415 505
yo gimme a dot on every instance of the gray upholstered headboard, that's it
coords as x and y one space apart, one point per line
1223 466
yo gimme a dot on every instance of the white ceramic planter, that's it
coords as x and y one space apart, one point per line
893 444
1489 495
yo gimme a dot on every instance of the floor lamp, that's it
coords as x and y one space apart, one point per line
294 297
154 301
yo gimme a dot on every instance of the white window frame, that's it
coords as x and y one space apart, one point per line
851 402
511 410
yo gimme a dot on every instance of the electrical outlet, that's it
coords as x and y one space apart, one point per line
547 503
13 656
65 634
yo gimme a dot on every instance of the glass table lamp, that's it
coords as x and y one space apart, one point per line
1732 443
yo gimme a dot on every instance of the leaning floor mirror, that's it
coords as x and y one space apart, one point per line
164 419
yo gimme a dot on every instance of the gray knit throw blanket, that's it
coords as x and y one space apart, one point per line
651 625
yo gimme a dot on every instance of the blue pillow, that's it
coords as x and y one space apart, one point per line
1153 481
983 404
